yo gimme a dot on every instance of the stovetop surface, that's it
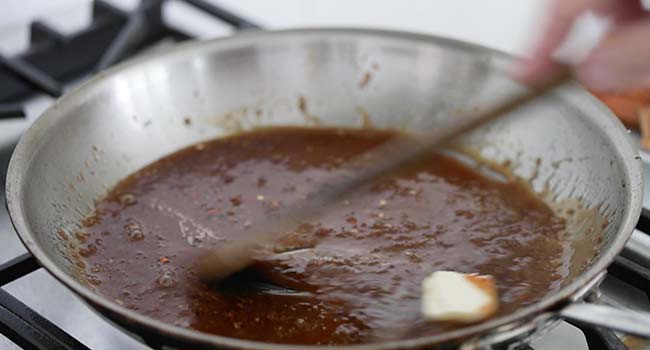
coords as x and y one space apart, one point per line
51 299
47 296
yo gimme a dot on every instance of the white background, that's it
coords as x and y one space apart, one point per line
503 24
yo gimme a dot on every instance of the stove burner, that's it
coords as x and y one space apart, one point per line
113 35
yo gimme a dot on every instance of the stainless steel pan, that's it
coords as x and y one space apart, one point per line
569 147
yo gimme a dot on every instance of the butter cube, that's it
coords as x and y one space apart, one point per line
458 297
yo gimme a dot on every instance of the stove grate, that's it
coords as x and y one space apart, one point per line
54 58
22 325
29 330
599 338
11 110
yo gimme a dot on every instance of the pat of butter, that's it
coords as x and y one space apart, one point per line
458 297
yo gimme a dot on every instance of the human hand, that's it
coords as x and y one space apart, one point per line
620 62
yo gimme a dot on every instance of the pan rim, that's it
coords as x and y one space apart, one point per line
21 157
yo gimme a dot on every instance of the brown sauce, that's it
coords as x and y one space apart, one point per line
369 254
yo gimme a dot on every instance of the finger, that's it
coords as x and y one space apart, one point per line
559 21
622 61
622 11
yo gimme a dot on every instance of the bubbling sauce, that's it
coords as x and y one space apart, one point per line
367 256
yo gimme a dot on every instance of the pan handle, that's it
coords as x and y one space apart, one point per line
627 321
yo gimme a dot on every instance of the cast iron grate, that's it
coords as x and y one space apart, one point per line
54 58
113 35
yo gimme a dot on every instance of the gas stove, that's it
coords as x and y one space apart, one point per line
38 312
